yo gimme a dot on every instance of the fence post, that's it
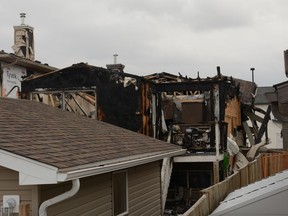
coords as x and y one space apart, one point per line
24 210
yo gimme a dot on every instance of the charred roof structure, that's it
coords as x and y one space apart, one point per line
92 91
208 117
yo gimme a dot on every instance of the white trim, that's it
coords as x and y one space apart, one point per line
126 191
96 170
30 171
198 158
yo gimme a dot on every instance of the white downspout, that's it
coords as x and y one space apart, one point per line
75 188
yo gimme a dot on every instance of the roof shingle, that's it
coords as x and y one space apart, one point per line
66 140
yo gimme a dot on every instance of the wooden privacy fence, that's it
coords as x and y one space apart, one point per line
263 166
273 163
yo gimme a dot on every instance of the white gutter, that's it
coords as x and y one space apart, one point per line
75 188
117 165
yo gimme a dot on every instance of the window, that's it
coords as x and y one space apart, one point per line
120 193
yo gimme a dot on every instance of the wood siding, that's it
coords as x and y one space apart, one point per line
9 185
95 194
233 115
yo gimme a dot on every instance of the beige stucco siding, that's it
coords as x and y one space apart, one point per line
9 185
144 183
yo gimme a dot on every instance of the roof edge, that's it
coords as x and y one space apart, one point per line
96 170
31 172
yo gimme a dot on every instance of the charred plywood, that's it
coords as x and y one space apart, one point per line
247 90
233 115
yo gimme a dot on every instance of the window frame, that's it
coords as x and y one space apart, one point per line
125 212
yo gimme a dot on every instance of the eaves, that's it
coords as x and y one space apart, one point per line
32 172
32 65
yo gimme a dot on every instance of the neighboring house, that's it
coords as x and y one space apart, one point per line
265 197
279 103
14 67
12 71
274 125
95 167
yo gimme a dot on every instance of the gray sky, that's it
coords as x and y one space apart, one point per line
152 36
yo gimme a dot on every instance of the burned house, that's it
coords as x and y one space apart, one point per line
203 115
199 115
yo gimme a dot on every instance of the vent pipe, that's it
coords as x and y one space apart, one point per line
218 71
115 58
116 67
252 70
22 16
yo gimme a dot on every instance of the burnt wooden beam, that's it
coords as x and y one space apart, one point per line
264 124
248 132
76 76
184 86
222 99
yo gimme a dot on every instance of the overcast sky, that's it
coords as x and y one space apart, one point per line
153 36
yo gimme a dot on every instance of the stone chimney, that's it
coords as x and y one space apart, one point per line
24 40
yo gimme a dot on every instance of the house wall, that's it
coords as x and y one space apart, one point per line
274 130
95 194
144 190
9 185
11 78
93 198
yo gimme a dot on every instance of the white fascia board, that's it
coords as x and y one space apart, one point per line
96 170
198 158
31 172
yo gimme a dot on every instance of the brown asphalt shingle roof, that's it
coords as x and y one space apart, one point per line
66 140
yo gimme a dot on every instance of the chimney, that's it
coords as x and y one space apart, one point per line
286 62
24 40
116 67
